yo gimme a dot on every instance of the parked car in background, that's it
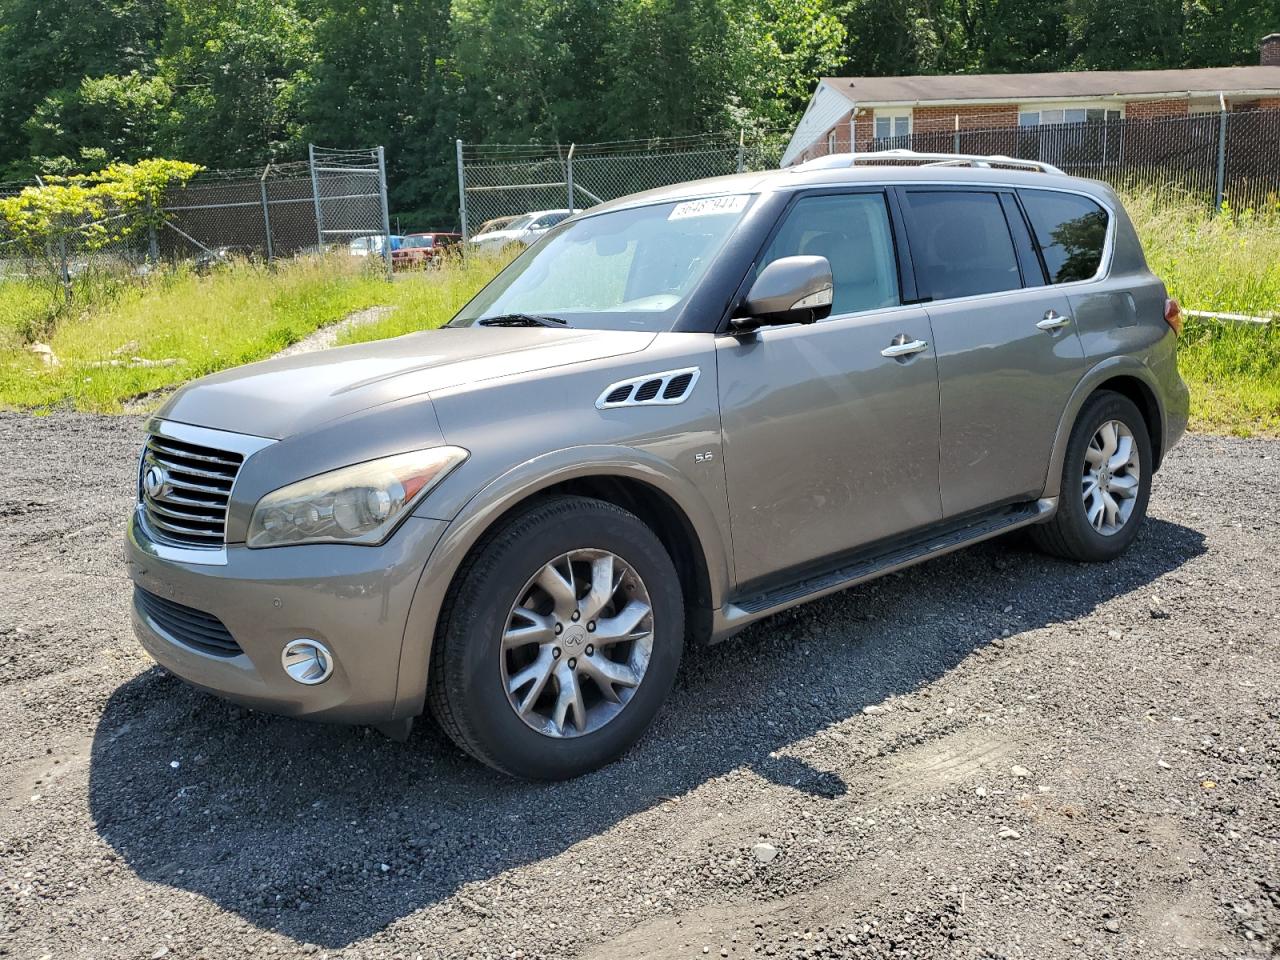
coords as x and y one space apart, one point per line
497 223
681 412
373 246
522 230
420 250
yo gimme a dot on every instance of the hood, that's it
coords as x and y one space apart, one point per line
284 396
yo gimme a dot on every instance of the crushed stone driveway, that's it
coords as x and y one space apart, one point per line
995 754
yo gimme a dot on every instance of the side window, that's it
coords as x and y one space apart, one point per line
960 243
852 231
1071 231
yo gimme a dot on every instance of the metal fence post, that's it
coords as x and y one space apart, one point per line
315 192
386 216
568 175
742 156
266 212
955 147
1222 154
462 195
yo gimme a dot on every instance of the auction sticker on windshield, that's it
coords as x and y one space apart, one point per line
709 207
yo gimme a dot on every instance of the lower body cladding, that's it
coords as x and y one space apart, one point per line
225 628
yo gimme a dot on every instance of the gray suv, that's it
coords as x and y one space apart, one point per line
675 414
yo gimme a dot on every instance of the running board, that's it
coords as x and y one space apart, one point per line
933 543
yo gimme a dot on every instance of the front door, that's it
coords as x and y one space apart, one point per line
829 443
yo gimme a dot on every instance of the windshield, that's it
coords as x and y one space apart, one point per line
628 269
519 223
418 241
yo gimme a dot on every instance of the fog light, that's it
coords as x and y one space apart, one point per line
307 661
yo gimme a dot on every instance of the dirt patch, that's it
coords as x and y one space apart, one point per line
327 336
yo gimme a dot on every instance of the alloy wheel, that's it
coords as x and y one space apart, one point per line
577 643
1112 477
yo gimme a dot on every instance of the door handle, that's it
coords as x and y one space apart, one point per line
1053 320
902 347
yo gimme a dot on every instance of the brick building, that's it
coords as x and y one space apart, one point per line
868 113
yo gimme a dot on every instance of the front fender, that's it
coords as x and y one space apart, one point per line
510 489
1120 366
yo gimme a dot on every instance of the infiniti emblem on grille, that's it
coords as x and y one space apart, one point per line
155 481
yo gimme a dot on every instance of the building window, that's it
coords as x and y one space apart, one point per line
1080 134
893 123
831 142
1084 113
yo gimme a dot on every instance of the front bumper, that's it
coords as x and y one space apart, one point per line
354 599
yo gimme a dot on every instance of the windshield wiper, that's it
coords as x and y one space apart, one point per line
521 320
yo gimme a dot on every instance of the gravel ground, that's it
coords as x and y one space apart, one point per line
992 755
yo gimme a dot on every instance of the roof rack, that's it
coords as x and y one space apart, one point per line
837 160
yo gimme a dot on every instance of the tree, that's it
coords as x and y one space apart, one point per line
235 67
48 46
104 119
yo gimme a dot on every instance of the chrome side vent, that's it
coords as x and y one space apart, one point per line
666 388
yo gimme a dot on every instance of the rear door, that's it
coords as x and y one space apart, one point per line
831 444
1007 351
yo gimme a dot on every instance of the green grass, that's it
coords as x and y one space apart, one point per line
205 323
1228 263
25 308
1233 371
425 300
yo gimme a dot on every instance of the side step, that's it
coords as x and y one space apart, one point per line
932 543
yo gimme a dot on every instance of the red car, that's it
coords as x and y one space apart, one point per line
419 250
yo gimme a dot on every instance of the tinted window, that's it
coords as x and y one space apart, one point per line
1071 231
852 232
960 243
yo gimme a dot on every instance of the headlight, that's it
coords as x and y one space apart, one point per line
356 504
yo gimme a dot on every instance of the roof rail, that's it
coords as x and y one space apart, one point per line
837 160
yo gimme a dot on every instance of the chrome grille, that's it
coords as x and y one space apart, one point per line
185 488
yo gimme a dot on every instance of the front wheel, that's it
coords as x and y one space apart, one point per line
1106 482
559 641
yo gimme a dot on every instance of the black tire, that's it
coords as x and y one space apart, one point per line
465 690
1069 534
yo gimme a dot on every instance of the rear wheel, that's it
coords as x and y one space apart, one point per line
1106 482
559 641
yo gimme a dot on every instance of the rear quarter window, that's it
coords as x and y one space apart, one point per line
1071 231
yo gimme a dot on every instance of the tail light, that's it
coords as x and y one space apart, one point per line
1173 315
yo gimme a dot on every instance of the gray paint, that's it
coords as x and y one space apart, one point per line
796 444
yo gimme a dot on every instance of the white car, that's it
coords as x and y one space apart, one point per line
523 230
372 245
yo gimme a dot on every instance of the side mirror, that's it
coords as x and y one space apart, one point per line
789 290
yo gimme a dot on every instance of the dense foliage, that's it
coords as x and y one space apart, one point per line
238 82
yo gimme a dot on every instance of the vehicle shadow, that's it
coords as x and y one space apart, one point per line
329 834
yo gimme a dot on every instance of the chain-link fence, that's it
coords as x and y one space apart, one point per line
1231 157
1223 156
336 198
507 180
